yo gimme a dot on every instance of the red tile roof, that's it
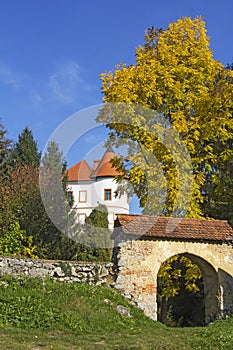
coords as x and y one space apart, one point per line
80 171
104 167
173 228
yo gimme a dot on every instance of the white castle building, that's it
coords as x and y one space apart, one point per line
90 186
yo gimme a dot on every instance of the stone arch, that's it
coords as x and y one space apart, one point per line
143 243
211 285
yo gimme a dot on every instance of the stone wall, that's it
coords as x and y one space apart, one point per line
66 271
139 261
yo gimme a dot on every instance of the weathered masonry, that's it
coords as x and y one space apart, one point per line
143 243
64 271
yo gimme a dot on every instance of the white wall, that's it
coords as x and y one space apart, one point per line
95 194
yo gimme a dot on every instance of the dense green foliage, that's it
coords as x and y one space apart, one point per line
180 293
218 190
25 150
5 153
36 219
38 314
95 237
22 203
60 237
98 217
15 241
26 229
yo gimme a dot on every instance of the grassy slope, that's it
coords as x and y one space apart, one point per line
52 315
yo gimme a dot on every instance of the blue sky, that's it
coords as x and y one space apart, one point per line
52 52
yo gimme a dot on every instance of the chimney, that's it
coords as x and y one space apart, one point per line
95 164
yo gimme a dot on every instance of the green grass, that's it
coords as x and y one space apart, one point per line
44 314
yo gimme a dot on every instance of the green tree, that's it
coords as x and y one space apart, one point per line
52 175
53 159
5 170
25 150
5 151
13 240
180 292
16 242
95 239
22 203
175 79
218 189
98 216
60 239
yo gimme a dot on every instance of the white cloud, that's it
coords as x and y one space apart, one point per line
67 84
9 77
36 98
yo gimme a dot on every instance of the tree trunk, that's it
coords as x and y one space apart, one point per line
163 313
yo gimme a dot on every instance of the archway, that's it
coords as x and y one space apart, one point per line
194 306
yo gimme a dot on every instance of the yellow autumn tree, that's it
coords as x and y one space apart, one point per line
168 110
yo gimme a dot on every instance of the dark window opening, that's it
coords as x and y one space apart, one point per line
107 194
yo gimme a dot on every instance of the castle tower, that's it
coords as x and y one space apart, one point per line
90 186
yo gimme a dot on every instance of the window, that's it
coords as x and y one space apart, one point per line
70 196
107 194
81 218
82 196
